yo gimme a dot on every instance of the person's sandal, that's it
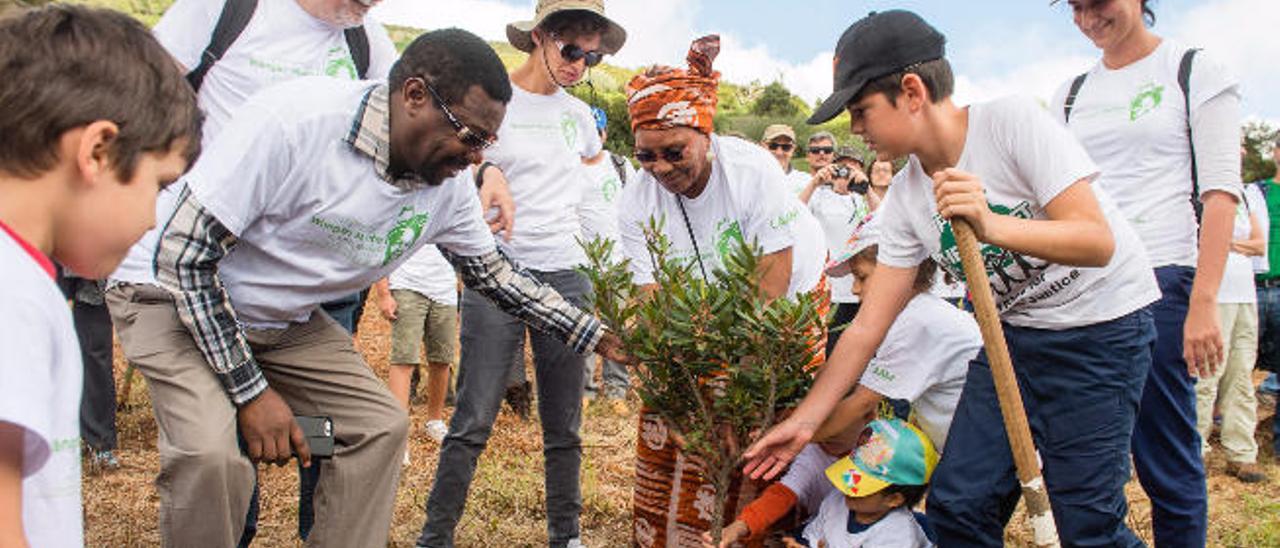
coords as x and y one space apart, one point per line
1247 472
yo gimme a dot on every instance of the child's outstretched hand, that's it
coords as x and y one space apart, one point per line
959 195
729 537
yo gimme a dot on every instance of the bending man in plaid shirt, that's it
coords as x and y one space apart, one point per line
316 188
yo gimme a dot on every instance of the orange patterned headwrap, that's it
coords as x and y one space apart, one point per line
665 97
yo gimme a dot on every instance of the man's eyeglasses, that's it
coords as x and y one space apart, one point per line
474 139
785 147
822 150
572 53
670 154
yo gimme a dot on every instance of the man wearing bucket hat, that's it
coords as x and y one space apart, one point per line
538 157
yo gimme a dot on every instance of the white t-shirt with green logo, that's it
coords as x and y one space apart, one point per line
1133 122
838 216
40 383
315 220
1024 159
540 149
744 199
598 211
924 359
281 42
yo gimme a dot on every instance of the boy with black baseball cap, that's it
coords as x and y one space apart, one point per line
1068 275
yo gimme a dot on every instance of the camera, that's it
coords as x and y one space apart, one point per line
841 172
860 187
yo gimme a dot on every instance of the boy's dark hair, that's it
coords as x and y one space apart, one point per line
67 66
452 61
570 24
1148 14
925 273
936 75
911 494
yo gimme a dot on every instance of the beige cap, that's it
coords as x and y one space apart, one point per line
778 130
519 33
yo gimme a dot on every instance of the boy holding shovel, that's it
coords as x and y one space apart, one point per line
1067 272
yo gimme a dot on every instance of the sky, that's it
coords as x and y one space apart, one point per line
996 47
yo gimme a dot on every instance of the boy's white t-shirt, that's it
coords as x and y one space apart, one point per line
924 360
953 290
838 216
1024 159
898 529
541 145
315 221
598 211
281 42
1237 278
428 273
1133 123
743 199
807 477
40 384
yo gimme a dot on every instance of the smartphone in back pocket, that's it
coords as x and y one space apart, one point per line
319 434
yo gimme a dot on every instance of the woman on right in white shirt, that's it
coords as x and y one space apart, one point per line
1159 149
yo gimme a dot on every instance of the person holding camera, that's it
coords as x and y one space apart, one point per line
837 197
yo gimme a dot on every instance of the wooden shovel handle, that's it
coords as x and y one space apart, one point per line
1015 415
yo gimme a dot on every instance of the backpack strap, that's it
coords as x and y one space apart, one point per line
1071 96
1184 83
358 45
233 20
617 166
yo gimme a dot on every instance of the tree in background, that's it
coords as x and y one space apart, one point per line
1259 139
775 100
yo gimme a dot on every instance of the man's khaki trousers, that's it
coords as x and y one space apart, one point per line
205 480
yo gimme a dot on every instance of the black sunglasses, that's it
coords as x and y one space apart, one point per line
822 150
474 139
670 154
572 53
786 147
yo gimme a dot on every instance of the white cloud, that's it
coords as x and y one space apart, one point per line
1240 34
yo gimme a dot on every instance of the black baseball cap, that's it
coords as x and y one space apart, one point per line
880 43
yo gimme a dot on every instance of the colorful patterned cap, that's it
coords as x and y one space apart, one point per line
890 452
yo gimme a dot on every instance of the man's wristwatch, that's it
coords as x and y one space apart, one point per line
480 173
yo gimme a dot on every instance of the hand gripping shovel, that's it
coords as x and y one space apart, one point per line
1015 416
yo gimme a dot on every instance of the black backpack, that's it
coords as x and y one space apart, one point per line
1184 83
235 17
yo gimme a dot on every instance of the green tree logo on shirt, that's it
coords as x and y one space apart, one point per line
1147 100
404 234
338 64
569 127
1008 271
728 234
609 189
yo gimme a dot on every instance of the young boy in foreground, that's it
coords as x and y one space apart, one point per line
96 118
1068 273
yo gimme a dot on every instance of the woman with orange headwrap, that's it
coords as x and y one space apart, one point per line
712 192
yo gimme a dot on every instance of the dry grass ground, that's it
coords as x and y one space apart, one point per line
505 506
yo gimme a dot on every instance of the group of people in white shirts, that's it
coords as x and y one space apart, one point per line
1107 231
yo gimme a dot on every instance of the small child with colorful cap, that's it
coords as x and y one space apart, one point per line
876 486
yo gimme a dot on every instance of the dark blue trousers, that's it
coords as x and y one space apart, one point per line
1166 444
1081 388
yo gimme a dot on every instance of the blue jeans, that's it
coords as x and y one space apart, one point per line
489 339
1166 444
1269 342
1080 387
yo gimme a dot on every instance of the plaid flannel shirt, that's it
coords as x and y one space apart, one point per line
194 241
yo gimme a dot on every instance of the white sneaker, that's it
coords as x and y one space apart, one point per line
436 430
